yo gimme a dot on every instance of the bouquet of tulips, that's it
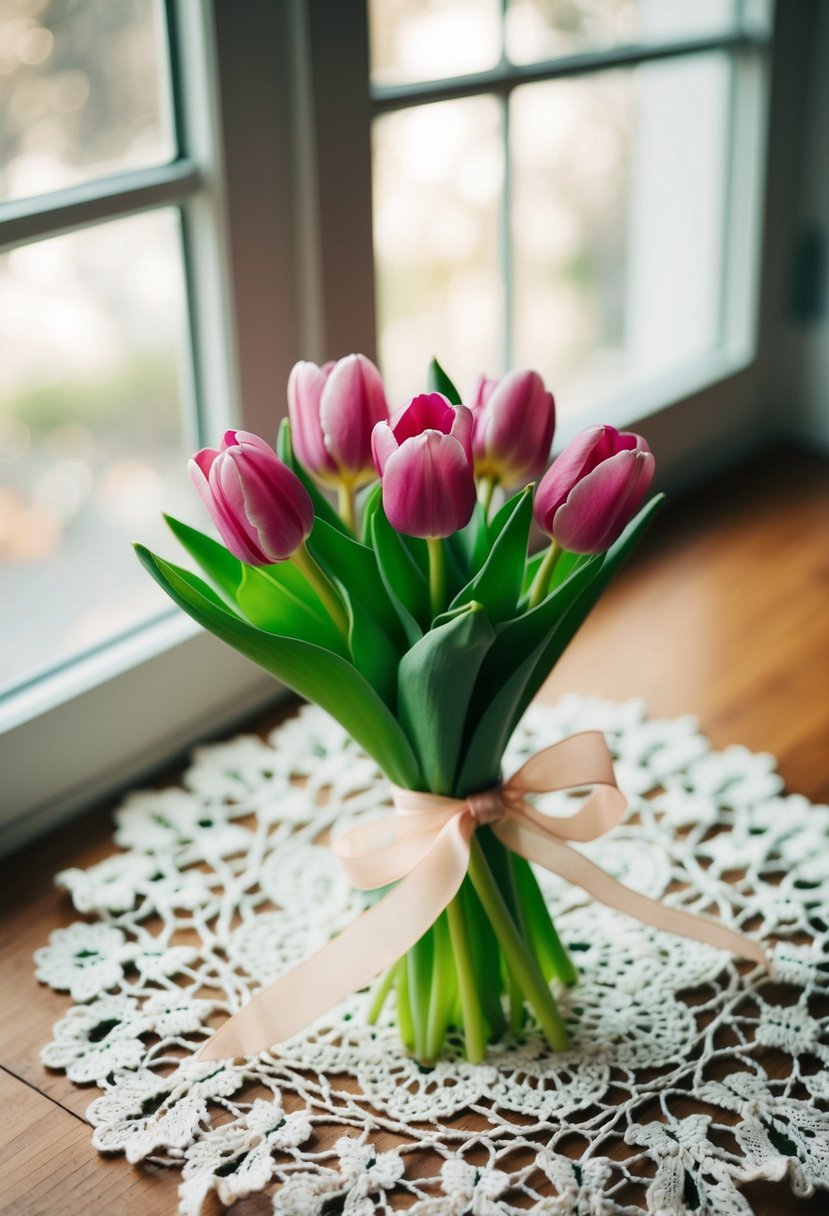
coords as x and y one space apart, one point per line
416 615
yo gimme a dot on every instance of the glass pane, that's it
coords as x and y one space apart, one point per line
438 180
93 335
83 91
544 29
619 206
415 40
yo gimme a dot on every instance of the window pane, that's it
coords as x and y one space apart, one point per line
431 39
438 179
93 334
544 29
83 91
619 208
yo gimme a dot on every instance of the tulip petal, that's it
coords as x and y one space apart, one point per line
225 507
578 458
428 487
383 445
427 411
602 502
352 402
305 387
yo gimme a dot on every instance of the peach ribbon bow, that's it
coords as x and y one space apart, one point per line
424 849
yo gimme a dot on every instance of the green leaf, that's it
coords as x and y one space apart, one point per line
322 507
512 662
435 681
405 585
497 585
280 599
218 563
471 544
439 382
614 559
373 498
373 653
313 672
355 566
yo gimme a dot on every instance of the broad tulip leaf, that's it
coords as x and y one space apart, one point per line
313 672
514 658
322 507
405 585
497 585
218 563
435 682
614 559
439 382
355 566
471 544
372 501
280 600
373 654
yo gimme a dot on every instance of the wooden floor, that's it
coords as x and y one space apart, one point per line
724 613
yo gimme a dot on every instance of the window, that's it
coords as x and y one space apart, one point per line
553 188
117 359
186 205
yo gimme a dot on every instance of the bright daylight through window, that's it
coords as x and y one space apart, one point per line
94 381
545 198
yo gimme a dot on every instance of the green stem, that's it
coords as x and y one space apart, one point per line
486 488
323 586
543 574
345 505
542 931
521 961
473 1027
419 961
404 1010
440 997
381 991
486 960
437 575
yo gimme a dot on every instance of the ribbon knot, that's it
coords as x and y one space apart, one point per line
487 806
424 850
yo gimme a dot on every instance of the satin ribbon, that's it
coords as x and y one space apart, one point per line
424 849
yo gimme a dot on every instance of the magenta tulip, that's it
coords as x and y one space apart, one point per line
260 507
333 410
514 422
594 488
424 456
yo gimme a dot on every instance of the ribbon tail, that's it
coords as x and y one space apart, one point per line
573 866
369 945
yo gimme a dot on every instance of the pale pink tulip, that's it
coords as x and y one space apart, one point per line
424 456
261 509
594 488
514 423
333 410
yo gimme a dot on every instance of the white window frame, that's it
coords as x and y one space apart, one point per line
274 179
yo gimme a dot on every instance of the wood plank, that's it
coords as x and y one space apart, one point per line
722 613
48 1165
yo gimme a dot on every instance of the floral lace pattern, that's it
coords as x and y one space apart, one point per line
688 1074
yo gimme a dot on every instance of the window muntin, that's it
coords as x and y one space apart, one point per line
622 263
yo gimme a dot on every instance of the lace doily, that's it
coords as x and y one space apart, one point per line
689 1074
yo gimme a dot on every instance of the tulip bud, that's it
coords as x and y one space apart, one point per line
333 410
593 489
261 509
424 456
514 422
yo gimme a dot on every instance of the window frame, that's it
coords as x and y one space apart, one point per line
273 176
91 726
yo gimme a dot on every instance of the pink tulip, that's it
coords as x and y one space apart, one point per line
260 507
593 489
514 422
333 410
424 456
